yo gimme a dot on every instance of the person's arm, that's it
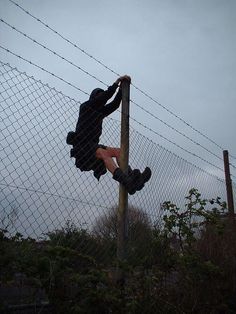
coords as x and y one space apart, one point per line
112 106
103 97
106 95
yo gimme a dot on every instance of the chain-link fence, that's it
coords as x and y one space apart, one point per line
41 188
43 195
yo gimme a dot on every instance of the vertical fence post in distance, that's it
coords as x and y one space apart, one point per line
124 160
230 200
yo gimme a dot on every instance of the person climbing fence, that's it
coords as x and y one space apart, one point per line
88 153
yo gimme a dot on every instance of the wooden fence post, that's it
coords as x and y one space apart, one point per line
230 200
124 160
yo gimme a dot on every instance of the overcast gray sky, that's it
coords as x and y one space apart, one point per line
182 53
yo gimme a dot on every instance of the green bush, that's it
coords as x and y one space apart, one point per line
187 266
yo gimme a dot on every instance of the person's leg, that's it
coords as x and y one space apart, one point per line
106 155
118 175
114 152
134 180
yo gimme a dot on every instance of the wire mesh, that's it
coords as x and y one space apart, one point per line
43 195
42 183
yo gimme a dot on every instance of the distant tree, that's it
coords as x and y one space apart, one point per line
139 231
106 225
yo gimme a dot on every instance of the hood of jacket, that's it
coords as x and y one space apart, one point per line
95 92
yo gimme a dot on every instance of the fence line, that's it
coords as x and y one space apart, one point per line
37 173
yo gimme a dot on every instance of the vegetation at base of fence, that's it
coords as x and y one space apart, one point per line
187 266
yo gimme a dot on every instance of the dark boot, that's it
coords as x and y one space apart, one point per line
141 178
127 180
146 175
129 170
139 184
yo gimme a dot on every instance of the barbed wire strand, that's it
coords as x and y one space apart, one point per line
64 38
177 131
41 68
108 68
52 51
233 166
175 144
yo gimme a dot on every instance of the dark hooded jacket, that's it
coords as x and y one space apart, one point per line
89 125
93 111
